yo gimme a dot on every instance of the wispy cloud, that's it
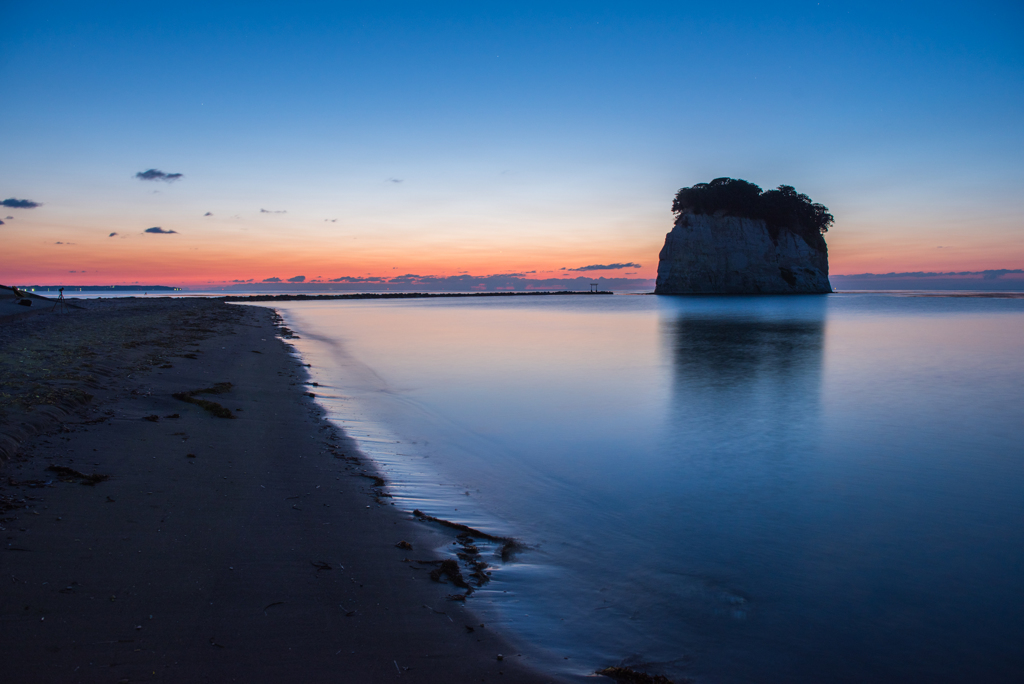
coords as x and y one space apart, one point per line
209 213
603 267
396 180
269 211
357 279
19 204
158 229
158 175
112 235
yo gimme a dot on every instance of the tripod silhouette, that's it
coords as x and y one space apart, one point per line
60 302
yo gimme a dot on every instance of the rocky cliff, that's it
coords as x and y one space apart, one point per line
720 254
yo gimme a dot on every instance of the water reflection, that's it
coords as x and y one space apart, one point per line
726 353
747 384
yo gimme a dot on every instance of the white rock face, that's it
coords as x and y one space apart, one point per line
728 255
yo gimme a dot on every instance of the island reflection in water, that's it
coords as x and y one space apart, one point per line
737 489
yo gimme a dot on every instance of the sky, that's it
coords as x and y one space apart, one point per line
359 139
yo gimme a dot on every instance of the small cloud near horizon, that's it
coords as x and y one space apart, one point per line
271 280
158 175
209 213
603 267
297 279
158 229
396 180
269 211
13 203
112 235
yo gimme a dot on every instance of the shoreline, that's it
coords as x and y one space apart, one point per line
250 548
398 295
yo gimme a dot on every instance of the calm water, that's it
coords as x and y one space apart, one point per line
771 489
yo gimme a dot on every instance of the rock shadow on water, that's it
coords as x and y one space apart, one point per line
747 385
725 354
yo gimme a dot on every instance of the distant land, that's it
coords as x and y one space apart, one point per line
466 283
1004 279
98 288
996 280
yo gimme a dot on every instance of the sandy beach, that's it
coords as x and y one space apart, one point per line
228 533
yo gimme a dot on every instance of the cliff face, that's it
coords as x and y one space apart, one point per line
729 255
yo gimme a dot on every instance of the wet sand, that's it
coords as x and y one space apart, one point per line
209 549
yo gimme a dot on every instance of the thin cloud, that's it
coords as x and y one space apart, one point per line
396 180
603 267
269 211
8 217
271 280
13 203
297 279
158 229
158 175
357 279
112 235
209 213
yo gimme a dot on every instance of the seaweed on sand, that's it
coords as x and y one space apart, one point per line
210 406
626 675
449 568
72 475
508 545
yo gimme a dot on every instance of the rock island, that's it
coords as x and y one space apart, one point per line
732 238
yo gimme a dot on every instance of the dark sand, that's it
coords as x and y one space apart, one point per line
212 568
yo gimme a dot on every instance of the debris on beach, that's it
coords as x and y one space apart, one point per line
625 675
72 475
509 546
403 545
377 481
210 406
449 568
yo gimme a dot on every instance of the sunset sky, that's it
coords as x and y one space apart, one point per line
378 139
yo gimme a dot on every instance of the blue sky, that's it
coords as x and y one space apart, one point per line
442 137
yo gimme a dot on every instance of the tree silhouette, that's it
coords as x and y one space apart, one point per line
781 208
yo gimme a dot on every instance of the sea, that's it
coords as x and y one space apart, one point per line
796 489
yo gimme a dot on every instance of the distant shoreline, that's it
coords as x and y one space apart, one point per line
398 295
